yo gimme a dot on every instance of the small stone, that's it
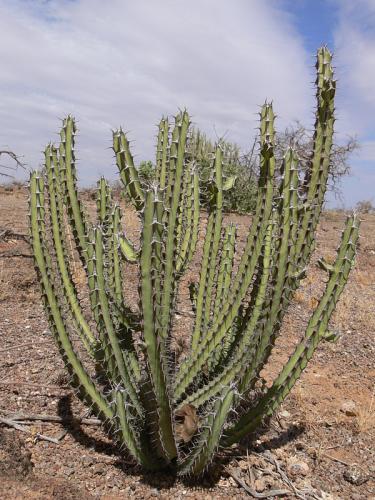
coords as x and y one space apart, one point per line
99 469
356 496
87 460
284 414
349 408
355 475
326 496
68 471
233 482
223 483
297 468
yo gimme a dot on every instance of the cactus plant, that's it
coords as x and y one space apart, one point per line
168 413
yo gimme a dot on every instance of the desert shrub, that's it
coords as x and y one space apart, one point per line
146 172
365 207
242 181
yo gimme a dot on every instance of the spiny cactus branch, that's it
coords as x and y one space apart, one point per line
123 362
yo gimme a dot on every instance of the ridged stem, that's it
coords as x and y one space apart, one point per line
57 228
56 321
152 342
192 367
316 330
128 172
210 252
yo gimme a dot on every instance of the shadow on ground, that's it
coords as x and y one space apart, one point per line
168 478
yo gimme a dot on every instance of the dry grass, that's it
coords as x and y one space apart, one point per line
4 283
329 258
299 297
366 415
364 278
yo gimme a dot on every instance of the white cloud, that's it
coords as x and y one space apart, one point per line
368 151
355 60
355 69
128 62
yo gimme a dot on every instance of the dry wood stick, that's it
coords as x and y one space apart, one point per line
25 344
10 255
256 494
19 427
36 386
334 459
267 455
54 418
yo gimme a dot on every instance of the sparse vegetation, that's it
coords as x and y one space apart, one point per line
146 172
242 169
10 163
366 415
365 207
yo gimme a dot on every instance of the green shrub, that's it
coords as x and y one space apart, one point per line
146 172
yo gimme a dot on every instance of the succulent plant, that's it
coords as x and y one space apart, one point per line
168 413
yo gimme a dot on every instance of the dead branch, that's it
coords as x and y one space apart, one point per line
54 418
17 163
271 459
334 459
256 494
35 386
36 436
267 455
25 344
11 255
7 234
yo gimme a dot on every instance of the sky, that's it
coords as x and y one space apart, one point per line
126 63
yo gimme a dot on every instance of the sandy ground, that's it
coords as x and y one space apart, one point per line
319 445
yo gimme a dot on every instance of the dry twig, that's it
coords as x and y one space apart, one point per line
35 386
54 418
267 455
11 255
17 163
334 459
7 234
37 436
25 344
256 494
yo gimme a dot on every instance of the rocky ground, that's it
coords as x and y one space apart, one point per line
319 445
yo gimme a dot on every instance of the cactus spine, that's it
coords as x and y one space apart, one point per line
140 392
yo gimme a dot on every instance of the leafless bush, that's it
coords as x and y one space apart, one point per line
365 207
10 162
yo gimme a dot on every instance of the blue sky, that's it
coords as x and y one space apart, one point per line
316 21
343 25
122 62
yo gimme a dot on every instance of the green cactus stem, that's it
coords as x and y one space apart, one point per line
122 357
